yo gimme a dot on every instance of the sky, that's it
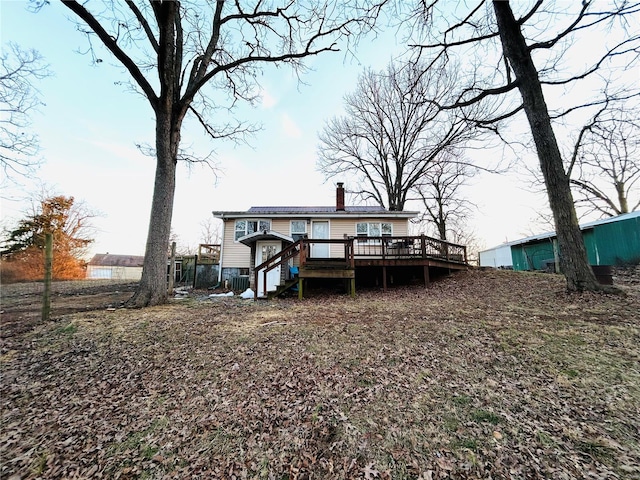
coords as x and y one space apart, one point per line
91 124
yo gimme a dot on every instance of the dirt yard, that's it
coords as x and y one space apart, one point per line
21 303
486 374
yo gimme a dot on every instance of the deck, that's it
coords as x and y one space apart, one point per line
356 254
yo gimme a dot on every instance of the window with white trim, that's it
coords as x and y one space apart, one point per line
298 229
374 229
245 227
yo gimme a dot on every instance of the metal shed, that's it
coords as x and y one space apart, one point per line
610 241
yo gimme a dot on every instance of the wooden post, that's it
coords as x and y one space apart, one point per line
426 276
256 279
264 281
48 274
384 278
195 269
172 268
300 284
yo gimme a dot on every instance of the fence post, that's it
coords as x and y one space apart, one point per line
48 273
195 270
172 268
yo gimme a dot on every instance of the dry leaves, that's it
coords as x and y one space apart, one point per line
483 375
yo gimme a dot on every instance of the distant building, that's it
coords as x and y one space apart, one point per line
115 267
610 241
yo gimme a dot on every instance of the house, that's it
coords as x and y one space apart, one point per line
609 241
261 245
115 267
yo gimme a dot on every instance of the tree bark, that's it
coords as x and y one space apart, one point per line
170 112
153 284
573 257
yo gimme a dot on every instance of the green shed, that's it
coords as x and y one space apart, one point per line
610 241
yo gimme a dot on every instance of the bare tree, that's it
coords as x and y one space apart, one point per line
520 39
442 200
605 165
172 50
392 133
211 232
19 99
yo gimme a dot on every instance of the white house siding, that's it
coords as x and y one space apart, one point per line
281 225
235 254
114 272
347 227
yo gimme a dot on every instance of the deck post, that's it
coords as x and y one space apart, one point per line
384 278
426 276
423 246
300 283
352 285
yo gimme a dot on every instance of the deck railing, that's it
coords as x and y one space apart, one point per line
386 247
409 247
347 243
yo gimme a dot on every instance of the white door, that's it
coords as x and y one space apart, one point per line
264 251
320 230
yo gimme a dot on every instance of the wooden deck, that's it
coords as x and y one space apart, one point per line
360 253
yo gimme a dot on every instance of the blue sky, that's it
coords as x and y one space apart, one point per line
90 126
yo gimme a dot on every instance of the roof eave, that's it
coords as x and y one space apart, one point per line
342 214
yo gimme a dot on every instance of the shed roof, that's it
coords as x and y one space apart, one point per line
584 226
111 260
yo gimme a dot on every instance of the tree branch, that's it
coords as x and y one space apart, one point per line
114 48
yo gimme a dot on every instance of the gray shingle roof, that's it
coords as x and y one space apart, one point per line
297 210
109 260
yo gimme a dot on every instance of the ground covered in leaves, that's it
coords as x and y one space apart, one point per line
486 374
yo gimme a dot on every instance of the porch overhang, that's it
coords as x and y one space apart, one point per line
254 237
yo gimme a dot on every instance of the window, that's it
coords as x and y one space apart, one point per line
298 229
245 227
374 229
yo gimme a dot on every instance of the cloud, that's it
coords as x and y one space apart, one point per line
267 100
289 127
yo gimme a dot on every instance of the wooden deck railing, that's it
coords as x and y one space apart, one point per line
407 247
347 243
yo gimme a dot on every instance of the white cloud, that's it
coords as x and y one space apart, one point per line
289 127
267 100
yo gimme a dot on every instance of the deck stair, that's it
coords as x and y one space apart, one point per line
282 289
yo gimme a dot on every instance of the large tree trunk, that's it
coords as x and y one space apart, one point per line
573 257
153 285
169 112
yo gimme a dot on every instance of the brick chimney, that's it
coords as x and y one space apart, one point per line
340 197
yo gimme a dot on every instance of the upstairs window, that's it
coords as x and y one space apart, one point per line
298 229
245 227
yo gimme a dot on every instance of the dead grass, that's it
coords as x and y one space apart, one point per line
484 375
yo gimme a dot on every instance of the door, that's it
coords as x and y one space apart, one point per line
320 230
264 251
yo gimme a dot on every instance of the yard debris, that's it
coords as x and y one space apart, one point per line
219 295
247 294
